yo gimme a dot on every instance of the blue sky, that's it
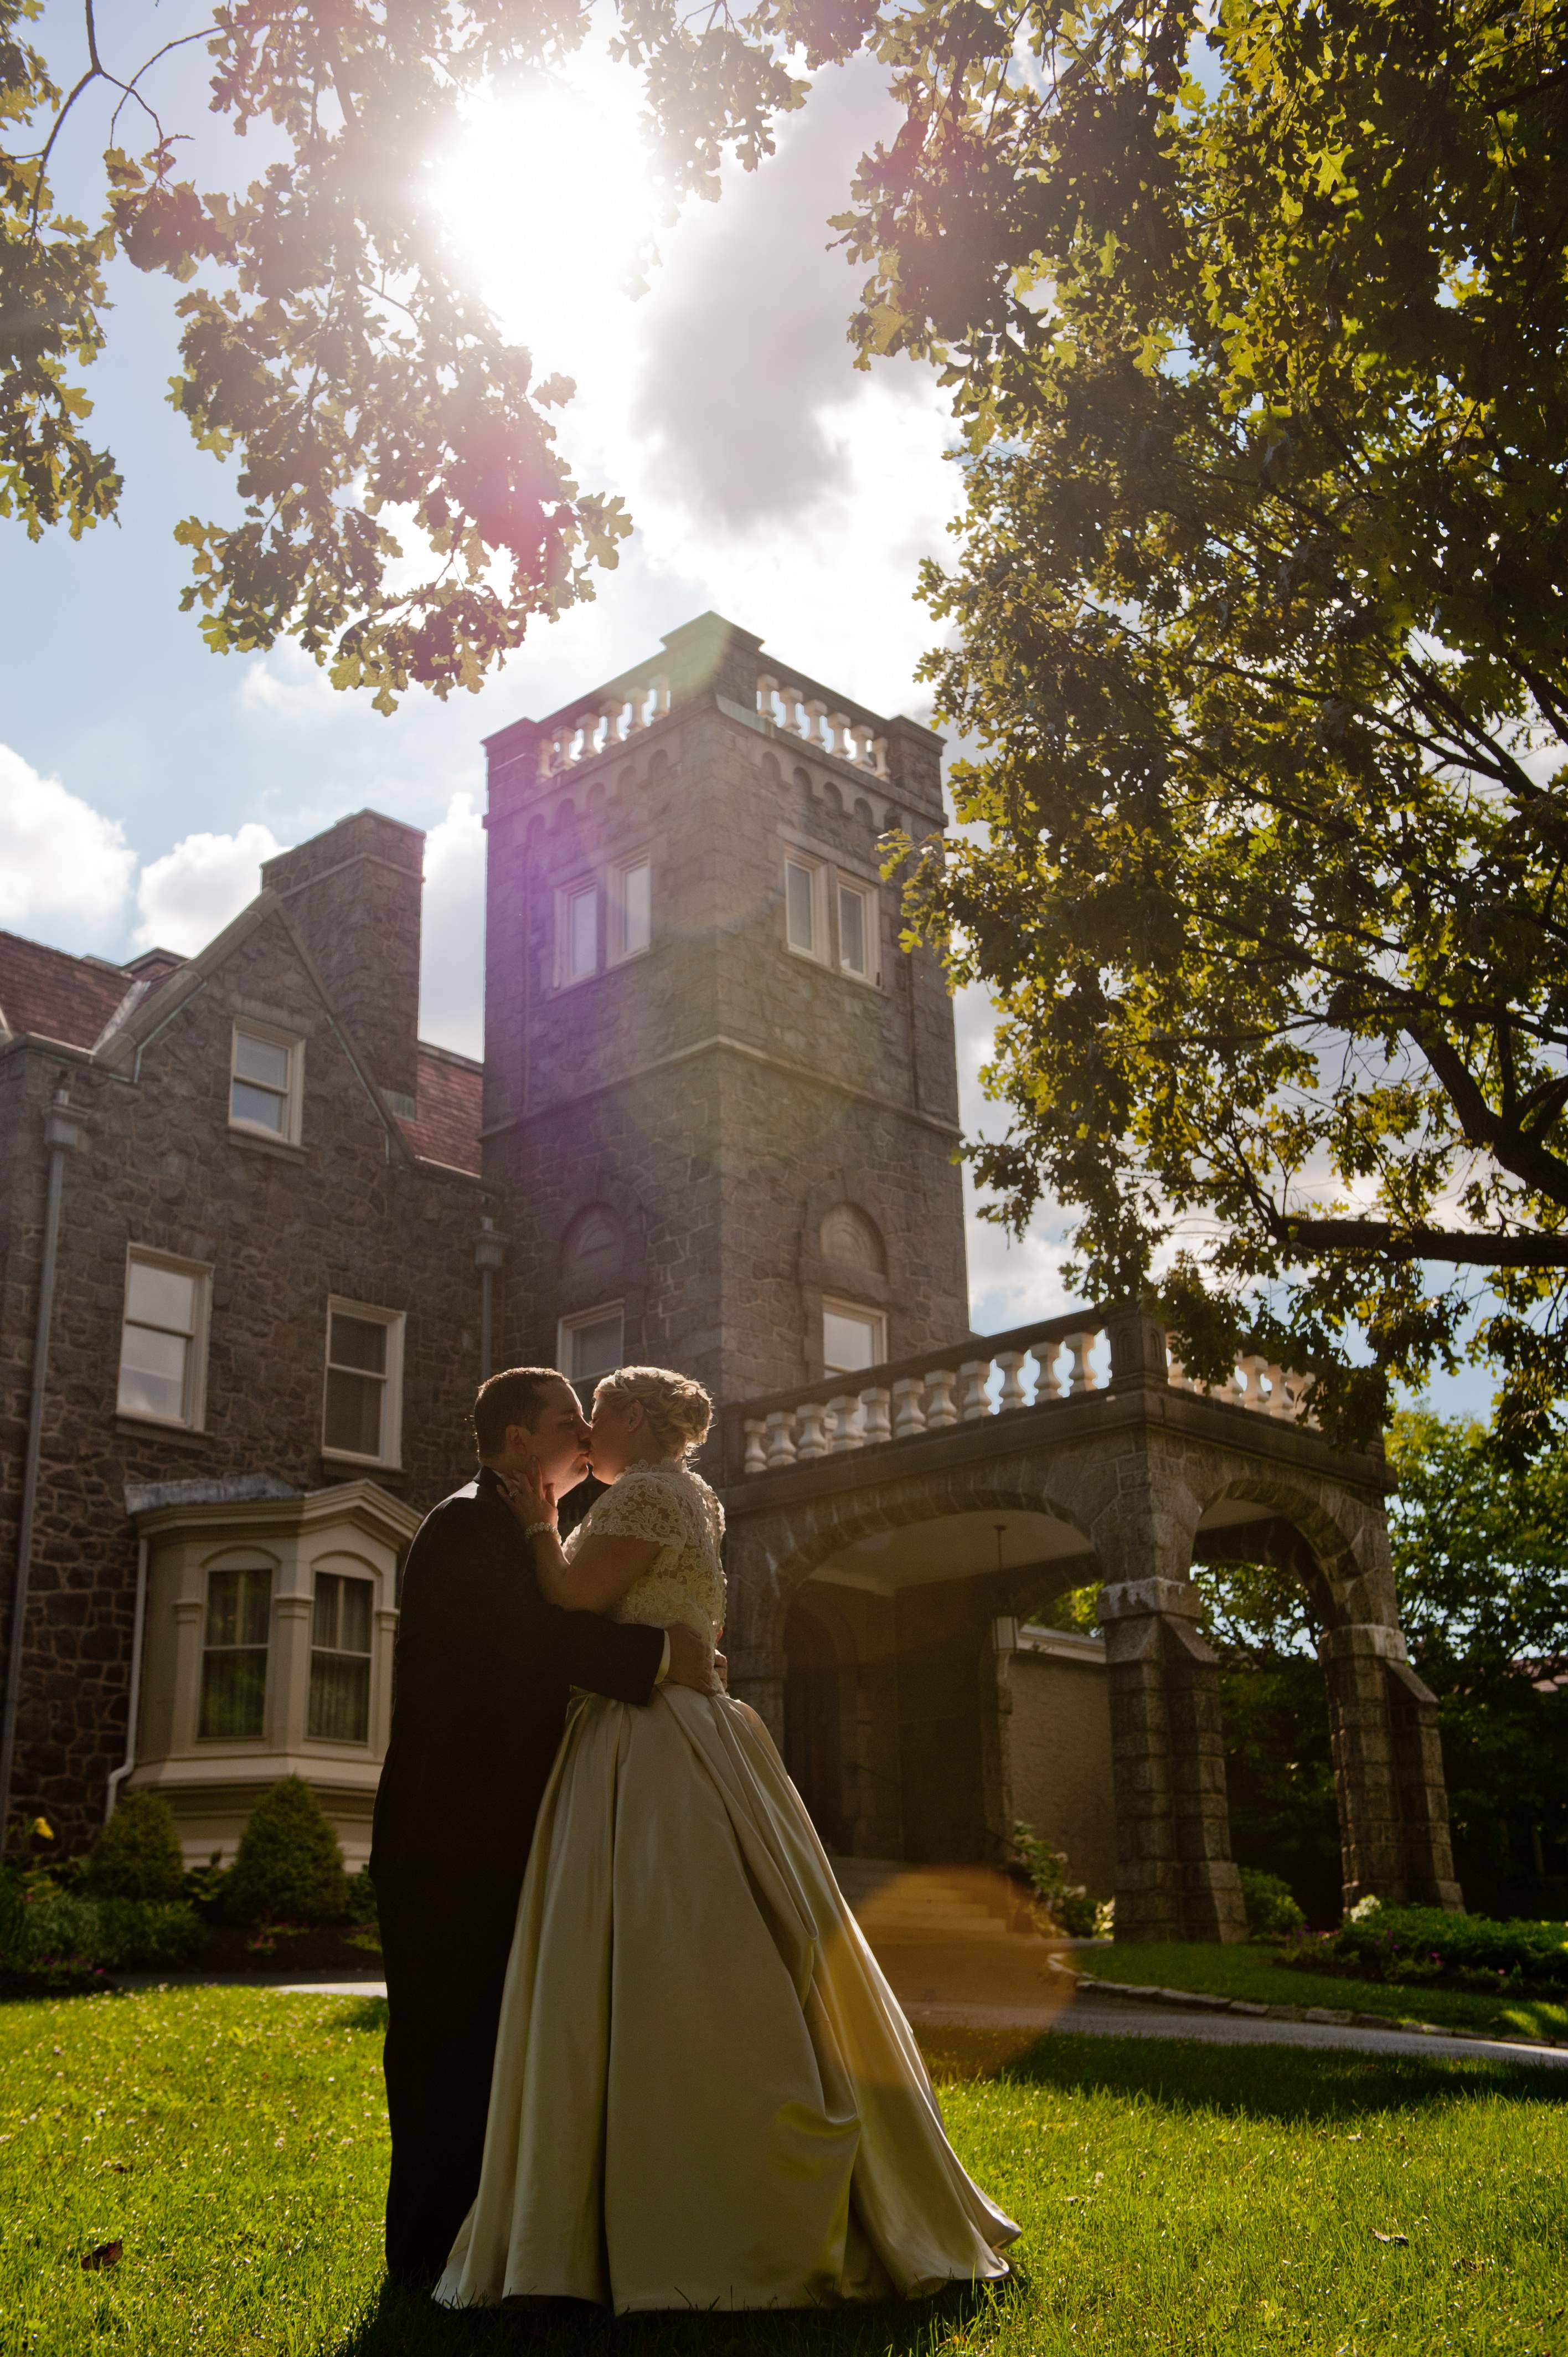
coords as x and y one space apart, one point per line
142 779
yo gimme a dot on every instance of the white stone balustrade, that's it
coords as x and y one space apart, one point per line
853 740
601 728
1033 1370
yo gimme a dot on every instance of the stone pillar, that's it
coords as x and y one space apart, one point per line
1388 1770
1174 1878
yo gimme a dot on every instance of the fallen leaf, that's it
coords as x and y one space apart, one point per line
1403 2240
105 2255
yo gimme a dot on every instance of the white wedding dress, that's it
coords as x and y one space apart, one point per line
706 2093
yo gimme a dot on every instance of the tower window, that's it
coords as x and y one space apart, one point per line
264 1075
592 1343
234 1653
855 929
853 1338
163 1339
362 1412
576 932
631 908
801 894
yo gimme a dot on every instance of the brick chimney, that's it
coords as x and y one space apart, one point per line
353 897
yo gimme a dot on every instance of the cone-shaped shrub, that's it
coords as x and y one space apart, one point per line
138 1854
289 1869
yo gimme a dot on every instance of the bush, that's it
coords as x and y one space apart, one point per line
289 1869
137 1855
362 1906
45 1930
1068 1905
1424 1943
1272 1909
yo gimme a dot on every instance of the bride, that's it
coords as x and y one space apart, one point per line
704 2092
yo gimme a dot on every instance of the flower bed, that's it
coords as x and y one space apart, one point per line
1417 1945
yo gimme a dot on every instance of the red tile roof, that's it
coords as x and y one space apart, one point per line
60 997
450 1098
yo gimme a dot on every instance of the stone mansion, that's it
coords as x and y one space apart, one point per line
259 1244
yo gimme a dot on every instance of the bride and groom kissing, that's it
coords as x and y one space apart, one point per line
638 2053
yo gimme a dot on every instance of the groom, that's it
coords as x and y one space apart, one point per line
484 1668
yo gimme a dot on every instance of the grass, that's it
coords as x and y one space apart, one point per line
1247 1970
1176 2198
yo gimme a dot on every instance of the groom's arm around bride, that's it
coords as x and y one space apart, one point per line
484 1671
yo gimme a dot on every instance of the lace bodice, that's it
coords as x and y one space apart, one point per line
685 1582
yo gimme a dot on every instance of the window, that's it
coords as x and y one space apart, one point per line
363 1411
802 928
163 1341
264 1075
576 932
234 1654
853 1339
341 1658
590 1345
857 930
631 908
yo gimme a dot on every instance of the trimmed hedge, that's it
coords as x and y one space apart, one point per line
137 1855
289 1869
1417 1944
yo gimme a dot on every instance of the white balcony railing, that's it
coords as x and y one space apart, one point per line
1056 1361
606 722
790 709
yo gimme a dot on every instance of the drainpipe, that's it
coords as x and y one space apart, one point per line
62 1134
133 1707
489 1248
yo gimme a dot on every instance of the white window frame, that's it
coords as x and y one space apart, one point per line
341 1652
292 1093
567 1327
617 951
267 1571
146 1257
864 1314
391 1457
818 952
871 933
583 888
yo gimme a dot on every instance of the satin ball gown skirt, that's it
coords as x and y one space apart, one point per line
706 2094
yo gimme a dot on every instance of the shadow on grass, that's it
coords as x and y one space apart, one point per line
1282 2082
406 2324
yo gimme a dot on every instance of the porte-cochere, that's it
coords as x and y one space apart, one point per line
887 1546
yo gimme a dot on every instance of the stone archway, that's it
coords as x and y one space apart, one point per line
1390 1793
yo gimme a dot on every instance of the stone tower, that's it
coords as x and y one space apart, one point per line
720 1102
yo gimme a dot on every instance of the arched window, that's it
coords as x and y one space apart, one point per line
850 1238
593 1240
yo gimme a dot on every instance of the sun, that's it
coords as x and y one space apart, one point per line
552 194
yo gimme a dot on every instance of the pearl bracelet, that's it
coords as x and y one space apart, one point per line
534 1530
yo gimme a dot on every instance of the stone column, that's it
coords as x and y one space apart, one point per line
1388 1769
1174 1878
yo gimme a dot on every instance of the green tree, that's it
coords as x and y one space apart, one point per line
289 1869
1259 622
330 342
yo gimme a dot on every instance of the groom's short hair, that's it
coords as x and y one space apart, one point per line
517 1396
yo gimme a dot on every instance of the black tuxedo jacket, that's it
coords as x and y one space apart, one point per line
484 1666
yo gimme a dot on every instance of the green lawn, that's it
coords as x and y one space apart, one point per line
1254 1972
1174 2197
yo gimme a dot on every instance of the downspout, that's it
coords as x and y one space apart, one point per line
62 1134
133 1707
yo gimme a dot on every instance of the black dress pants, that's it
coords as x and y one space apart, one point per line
446 1948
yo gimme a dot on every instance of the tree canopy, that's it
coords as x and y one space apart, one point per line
1258 620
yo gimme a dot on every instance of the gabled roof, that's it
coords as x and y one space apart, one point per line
56 996
450 1096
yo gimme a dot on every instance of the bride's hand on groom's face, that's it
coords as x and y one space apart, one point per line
530 1497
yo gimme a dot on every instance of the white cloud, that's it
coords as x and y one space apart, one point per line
194 890
289 685
452 949
59 857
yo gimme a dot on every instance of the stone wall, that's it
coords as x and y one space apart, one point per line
1059 1754
347 1213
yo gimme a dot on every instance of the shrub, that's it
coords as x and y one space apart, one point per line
137 1855
1272 1909
361 1906
45 1930
1424 1943
1068 1905
289 1869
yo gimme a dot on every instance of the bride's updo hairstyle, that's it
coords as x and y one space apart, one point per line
678 1411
